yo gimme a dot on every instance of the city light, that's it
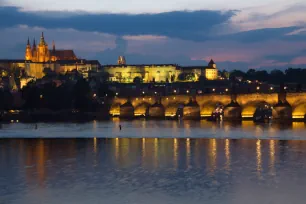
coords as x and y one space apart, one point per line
226 90
187 91
41 96
174 91
94 95
285 87
271 88
117 94
143 92
257 87
155 92
213 89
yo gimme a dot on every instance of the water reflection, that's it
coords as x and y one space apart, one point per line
150 163
258 157
272 156
227 152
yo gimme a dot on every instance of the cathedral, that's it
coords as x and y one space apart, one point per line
38 57
41 52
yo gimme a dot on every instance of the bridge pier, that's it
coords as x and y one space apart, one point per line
127 110
233 112
191 110
156 110
282 112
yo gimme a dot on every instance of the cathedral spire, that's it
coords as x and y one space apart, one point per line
42 39
34 43
28 41
53 46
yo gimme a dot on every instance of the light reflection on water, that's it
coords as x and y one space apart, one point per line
159 129
152 170
167 162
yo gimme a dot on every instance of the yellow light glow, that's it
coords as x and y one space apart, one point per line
298 116
205 115
258 156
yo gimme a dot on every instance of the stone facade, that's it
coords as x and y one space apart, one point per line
125 73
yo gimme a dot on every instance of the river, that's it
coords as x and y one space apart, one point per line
165 162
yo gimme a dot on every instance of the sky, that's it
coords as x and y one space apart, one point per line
237 34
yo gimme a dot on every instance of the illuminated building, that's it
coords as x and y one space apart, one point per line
125 73
41 53
38 57
121 60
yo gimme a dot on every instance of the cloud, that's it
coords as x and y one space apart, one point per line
286 57
258 35
190 25
285 14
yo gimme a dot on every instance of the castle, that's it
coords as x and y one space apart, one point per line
38 57
41 53
160 73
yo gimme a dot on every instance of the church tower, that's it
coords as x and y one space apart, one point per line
43 52
53 53
28 52
34 51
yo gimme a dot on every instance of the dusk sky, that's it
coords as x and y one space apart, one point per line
237 34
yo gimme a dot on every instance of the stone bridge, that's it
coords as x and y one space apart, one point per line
289 105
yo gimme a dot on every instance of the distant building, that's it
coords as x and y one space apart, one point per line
41 53
126 73
38 57
121 60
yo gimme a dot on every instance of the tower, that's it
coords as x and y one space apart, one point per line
34 51
212 64
43 52
28 52
53 54
121 60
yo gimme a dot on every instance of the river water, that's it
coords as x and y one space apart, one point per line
165 162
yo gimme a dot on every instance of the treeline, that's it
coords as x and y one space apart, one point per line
59 92
290 75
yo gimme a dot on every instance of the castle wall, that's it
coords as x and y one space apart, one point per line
127 73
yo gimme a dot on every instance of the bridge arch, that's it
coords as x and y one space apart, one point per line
298 104
208 103
249 102
172 103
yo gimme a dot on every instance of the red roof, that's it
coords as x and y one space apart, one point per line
65 55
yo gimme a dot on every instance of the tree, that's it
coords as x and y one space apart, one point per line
137 80
49 74
237 73
82 95
172 78
6 99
